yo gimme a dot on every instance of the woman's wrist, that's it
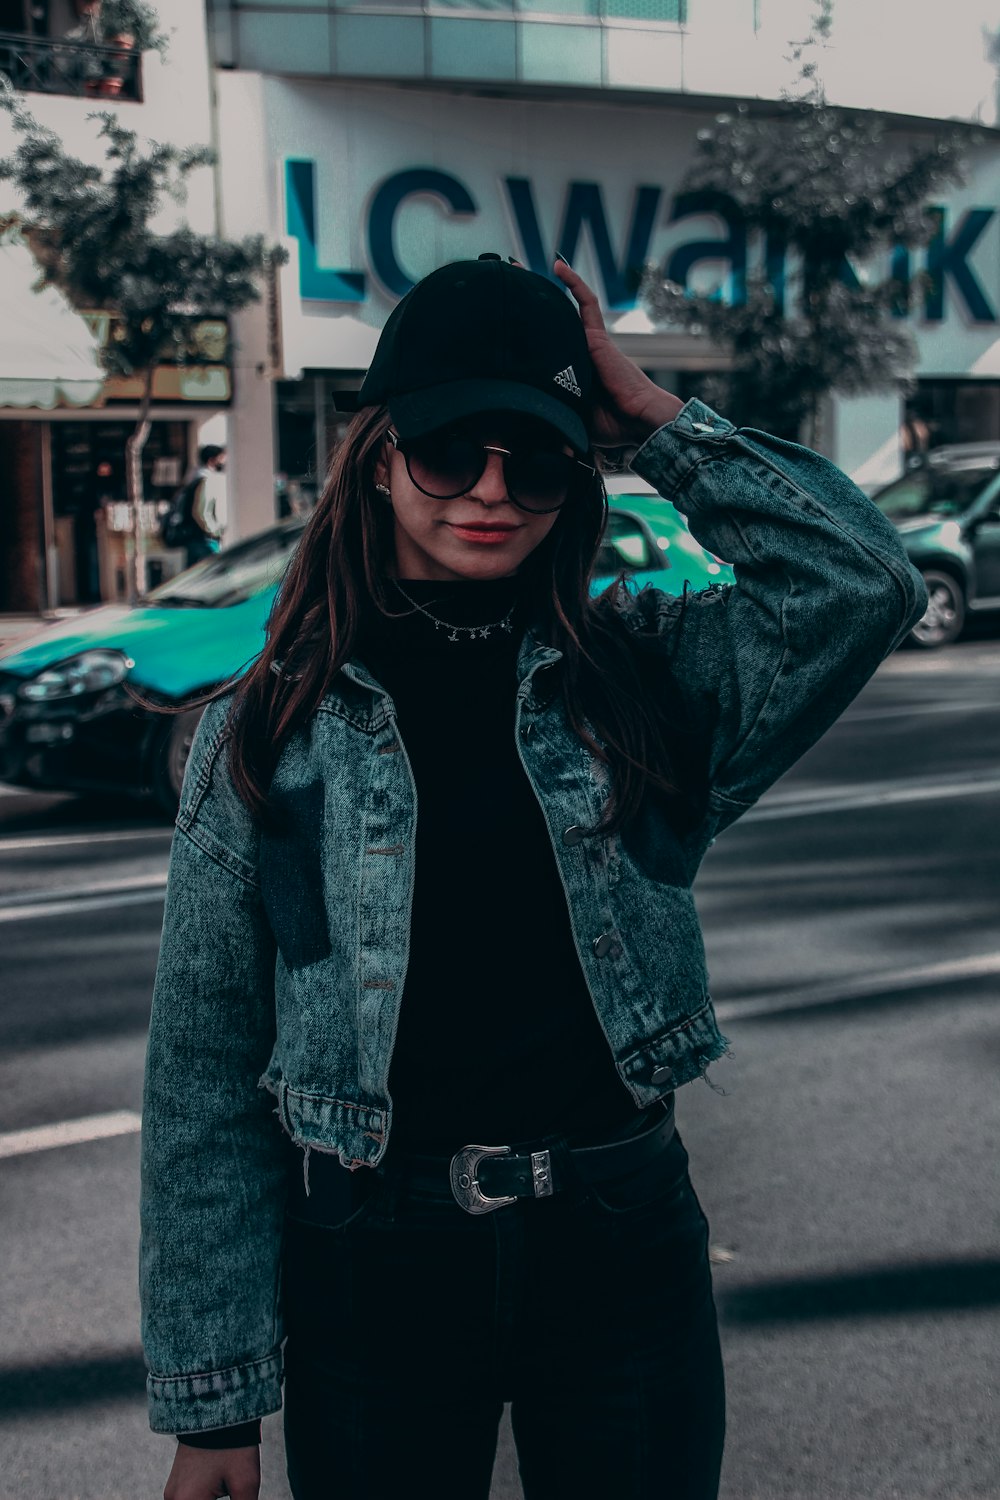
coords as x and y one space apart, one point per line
659 408
658 411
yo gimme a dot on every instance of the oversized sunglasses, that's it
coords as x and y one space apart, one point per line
444 465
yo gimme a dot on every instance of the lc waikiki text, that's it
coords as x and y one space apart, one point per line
945 260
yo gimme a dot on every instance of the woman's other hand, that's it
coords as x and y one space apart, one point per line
627 405
208 1473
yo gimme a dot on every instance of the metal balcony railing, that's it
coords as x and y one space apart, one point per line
40 66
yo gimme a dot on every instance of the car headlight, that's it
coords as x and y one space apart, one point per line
90 672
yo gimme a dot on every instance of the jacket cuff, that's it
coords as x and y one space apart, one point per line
670 453
181 1404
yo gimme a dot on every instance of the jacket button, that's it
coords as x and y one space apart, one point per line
662 1075
574 834
605 944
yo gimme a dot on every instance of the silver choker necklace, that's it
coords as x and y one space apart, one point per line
462 632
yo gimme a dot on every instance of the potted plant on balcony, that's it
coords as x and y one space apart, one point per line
126 25
131 23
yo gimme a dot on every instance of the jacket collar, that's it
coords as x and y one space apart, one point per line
532 655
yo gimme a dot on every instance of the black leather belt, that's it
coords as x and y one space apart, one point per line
484 1178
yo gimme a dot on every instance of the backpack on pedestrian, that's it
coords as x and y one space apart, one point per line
178 527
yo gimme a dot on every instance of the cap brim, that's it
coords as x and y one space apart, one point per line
420 412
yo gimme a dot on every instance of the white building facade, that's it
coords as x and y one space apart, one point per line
379 141
376 141
63 521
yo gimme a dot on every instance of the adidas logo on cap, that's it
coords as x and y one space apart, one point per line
567 379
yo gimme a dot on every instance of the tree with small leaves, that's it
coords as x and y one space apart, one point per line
91 230
823 194
134 19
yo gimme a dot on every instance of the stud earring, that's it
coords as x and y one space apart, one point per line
383 489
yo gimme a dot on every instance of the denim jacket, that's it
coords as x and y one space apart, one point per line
283 959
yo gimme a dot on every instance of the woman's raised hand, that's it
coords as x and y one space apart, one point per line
208 1473
627 405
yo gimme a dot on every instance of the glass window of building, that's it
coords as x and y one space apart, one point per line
952 411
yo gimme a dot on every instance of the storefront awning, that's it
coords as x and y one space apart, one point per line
48 355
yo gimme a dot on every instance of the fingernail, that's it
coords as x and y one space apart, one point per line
560 256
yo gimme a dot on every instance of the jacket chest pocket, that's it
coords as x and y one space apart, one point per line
292 884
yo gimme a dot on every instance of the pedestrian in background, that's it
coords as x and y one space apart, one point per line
208 507
431 971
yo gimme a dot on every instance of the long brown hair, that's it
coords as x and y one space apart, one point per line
344 558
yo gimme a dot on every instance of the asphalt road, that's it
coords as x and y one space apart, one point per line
846 1152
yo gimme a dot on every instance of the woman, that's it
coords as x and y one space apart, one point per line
470 1023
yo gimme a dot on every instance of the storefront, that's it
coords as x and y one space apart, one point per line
369 190
66 535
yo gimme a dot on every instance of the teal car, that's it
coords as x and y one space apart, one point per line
683 561
68 717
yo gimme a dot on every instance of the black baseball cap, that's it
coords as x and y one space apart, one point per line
477 336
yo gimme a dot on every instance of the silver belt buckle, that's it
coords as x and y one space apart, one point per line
465 1184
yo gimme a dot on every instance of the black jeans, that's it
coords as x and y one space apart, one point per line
412 1322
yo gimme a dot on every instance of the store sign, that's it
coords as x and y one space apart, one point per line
202 373
945 261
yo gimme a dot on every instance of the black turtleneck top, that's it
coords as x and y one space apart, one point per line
498 1040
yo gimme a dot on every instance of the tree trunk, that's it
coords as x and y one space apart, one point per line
134 489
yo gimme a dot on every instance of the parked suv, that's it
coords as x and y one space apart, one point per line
947 513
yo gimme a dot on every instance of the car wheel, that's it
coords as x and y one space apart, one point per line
942 621
171 757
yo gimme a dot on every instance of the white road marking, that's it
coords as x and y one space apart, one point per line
154 879
971 657
829 991
127 1122
80 904
915 710
807 803
70 1133
51 840
91 898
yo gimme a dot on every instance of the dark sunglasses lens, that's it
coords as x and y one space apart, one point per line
444 465
541 480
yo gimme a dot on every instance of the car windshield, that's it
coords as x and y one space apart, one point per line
233 576
626 546
934 490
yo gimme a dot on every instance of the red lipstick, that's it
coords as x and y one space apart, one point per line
491 532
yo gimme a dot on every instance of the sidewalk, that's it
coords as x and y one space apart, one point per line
17 627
